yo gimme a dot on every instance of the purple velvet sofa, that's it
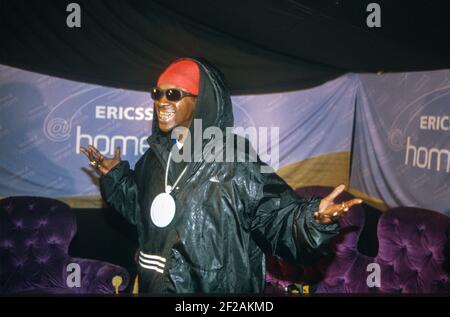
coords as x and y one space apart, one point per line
35 234
411 254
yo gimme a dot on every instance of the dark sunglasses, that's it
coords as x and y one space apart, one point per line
172 94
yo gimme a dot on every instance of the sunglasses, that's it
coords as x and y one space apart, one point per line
172 94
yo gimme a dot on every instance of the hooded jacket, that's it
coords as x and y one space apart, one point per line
228 214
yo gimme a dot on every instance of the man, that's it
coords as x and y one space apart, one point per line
205 226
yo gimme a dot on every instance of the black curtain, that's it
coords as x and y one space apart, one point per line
260 46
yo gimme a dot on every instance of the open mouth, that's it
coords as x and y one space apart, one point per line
165 115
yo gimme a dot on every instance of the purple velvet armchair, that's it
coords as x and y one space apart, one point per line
410 257
411 254
35 234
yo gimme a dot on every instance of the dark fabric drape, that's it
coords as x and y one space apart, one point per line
260 46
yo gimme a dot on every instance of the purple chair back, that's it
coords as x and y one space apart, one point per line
34 238
411 253
411 256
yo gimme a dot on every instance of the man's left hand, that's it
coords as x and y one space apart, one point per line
329 211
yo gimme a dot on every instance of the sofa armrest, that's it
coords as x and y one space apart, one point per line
97 276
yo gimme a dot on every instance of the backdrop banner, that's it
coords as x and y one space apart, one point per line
44 120
401 148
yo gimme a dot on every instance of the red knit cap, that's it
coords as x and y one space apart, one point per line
184 74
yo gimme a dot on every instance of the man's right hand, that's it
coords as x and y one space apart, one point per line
96 159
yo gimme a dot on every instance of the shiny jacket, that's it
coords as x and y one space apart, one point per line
228 214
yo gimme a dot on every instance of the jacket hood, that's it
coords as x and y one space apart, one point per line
213 105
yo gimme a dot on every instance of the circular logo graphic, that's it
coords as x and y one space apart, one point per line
396 139
57 129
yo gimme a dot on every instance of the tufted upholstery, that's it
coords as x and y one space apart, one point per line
411 253
410 257
34 239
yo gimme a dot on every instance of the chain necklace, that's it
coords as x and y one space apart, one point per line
162 210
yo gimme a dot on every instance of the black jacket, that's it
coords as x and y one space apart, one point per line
221 230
